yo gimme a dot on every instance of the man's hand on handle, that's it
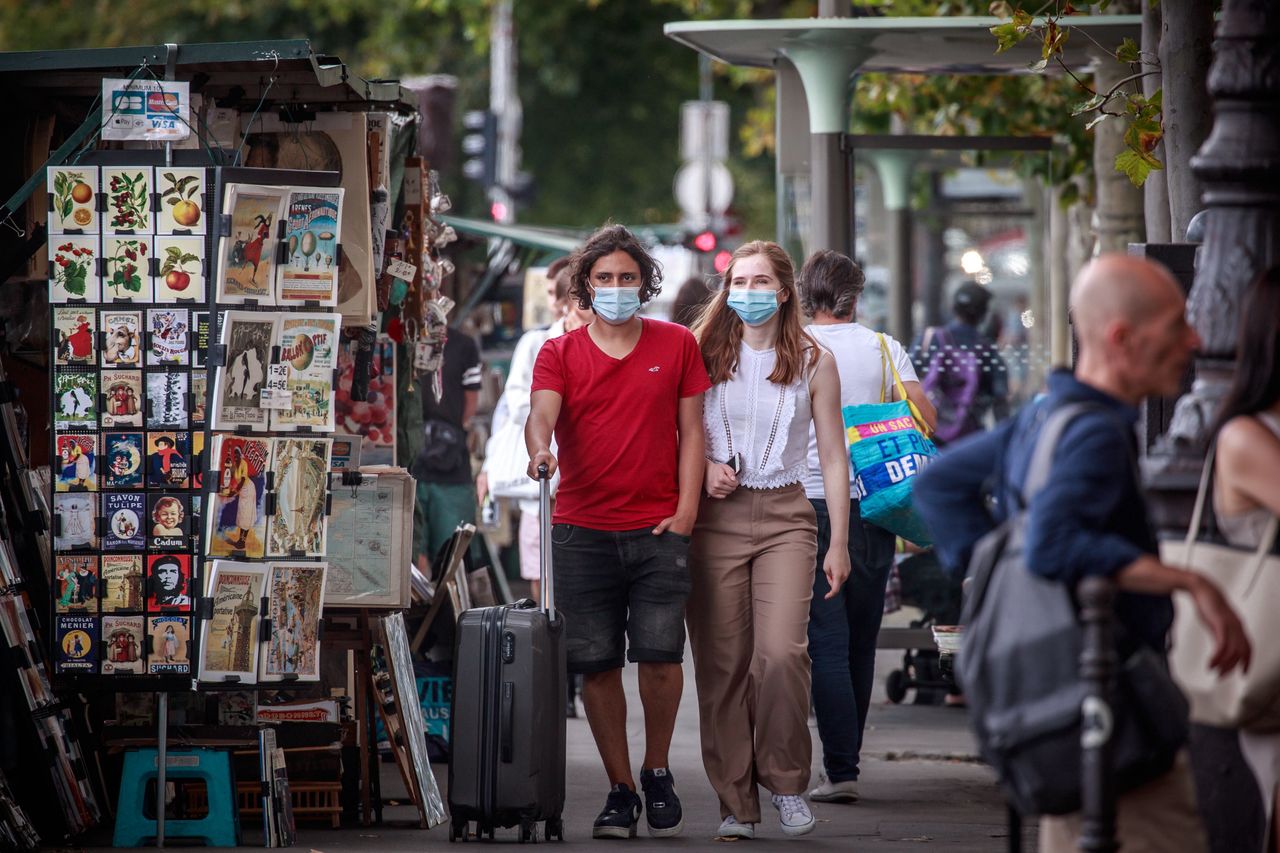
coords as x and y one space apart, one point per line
542 457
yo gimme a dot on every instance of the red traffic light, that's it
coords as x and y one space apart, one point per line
705 242
723 258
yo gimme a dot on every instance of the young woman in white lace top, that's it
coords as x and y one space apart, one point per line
755 544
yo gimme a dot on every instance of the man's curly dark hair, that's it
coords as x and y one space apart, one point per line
609 239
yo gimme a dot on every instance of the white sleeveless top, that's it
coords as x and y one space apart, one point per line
767 423
1245 529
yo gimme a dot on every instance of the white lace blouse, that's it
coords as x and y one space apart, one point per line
767 423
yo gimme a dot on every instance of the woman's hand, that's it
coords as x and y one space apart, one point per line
836 567
719 480
482 486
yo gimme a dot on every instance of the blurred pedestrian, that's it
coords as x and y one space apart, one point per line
1090 518
1246 489
753 553
623 398
961 369
843 624
690 298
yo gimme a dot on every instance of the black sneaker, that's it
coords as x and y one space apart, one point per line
662 806
620 816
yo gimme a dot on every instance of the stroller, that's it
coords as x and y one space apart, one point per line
923 584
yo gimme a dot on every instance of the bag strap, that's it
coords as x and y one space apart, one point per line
1046 444
1202 494
884 358
887 358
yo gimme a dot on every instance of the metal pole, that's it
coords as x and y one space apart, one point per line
162 762
829 192
1097 670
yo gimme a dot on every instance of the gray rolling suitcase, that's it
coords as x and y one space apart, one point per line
508 714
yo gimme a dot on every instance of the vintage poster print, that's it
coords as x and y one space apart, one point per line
75 397
76 582
122 393
365 541
202 330
246 269
169 581
128 276
123 333
181 201
311 232
181 277
77 463
121 583
308 350
76 521
77 638
125 513
374 419
168 336
229 640
74 340
237 521
295 592
71 196
73 270
248 337
128 191
170 645
301 470
168 521
122 468
199 462
167 398
123 637
168 460
199 398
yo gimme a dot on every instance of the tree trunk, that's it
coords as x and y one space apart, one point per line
1118 210
1155 192
1186 49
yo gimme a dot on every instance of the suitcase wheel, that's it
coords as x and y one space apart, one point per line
554 827
458 831
527 832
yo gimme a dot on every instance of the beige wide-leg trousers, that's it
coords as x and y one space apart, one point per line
752 561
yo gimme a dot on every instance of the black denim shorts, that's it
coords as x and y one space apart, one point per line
611 583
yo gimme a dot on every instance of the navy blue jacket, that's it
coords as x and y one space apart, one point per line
1090 518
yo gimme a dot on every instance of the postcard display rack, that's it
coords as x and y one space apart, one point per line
195 340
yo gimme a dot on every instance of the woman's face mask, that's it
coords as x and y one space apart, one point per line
754 307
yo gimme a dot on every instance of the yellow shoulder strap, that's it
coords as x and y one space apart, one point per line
886 357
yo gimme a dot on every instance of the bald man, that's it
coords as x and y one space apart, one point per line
1090 519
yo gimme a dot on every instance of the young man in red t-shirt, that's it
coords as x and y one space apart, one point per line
624 398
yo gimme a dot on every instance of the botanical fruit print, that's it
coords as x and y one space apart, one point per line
181 202
128 274
72 191
73 270
128 200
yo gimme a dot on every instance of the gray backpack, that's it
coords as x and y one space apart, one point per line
1019 668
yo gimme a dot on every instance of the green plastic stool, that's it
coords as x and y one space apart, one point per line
219 828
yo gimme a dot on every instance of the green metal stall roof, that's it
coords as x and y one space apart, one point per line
553 243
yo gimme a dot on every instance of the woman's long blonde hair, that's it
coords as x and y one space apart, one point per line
719 329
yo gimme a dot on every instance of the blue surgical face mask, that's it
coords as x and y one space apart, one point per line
755 307
616 305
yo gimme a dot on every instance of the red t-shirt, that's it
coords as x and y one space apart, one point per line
617 432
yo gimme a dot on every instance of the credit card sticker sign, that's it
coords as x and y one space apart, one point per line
145 109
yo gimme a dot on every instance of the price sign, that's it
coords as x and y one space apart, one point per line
402 270
275 393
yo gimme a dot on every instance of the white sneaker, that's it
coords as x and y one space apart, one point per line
793 814
730 828
834 792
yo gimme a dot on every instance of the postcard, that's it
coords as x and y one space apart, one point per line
77 638
300 467
75 341
73 270
237 521
182 201
229 639
248 338
181 276
370 541
246 267
310 273
128 190
76 517
123 466
167 398
169 581
168 521
122 390
77 463
72 190
76 584
75 397
128 272
295 594
124 638
170 645
121 582
374 420
199 398
168 459
199 462
169 336
308 350
123 333
201 329
125 513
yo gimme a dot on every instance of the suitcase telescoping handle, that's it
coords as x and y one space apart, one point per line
544 542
